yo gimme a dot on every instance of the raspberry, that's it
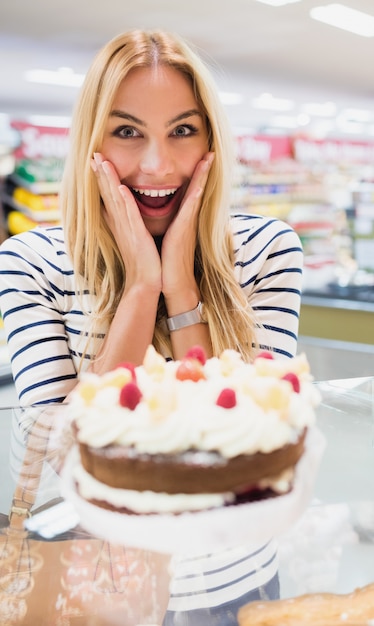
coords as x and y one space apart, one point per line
227 398
198 353
265 354
293 379
128 366
190 369
130 396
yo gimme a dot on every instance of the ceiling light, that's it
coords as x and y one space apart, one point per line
277 3
64 76
269 102
346 18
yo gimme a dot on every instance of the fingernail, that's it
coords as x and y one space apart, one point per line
98 158
106 167
93 165
208 160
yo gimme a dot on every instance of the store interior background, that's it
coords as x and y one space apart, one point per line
289 82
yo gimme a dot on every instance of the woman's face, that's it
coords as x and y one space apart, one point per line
155 136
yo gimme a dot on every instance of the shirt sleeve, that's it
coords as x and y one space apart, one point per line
268 266
34 303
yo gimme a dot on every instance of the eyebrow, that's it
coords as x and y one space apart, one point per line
136 120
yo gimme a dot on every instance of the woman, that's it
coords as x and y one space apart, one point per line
148 252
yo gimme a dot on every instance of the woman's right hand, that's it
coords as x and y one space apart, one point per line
136 245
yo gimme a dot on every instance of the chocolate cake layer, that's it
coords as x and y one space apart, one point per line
191 472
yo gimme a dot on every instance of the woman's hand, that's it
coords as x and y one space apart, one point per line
133 324
136 245
179 244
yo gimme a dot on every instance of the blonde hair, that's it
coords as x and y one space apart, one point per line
96 259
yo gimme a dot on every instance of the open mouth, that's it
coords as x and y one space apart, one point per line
154 198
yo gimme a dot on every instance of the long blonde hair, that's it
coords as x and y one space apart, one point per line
96 259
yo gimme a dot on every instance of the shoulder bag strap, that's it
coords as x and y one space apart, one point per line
29 477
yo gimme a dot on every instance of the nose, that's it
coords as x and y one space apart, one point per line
156 159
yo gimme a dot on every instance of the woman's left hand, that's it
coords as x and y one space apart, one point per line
179 243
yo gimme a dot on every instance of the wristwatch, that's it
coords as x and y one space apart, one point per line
186 319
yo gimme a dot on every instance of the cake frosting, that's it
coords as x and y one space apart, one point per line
207 414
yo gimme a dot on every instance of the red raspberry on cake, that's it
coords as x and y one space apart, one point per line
294 380
130 396
198 353
227 398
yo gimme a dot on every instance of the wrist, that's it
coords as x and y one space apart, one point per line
138 291
181 299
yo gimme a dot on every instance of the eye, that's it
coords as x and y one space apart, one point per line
126 132
184 130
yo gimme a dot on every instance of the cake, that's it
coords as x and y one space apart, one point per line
190 435
319 609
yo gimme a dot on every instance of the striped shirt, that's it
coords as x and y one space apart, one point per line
45 324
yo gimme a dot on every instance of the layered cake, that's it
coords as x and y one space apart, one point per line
190 435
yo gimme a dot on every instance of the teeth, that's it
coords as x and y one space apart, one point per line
156 193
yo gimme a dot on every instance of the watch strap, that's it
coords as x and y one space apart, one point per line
176 322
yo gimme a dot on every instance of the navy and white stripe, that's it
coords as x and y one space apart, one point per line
268 267
215 579
42 317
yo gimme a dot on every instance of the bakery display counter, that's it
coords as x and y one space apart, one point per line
339 313
331 547
58 573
